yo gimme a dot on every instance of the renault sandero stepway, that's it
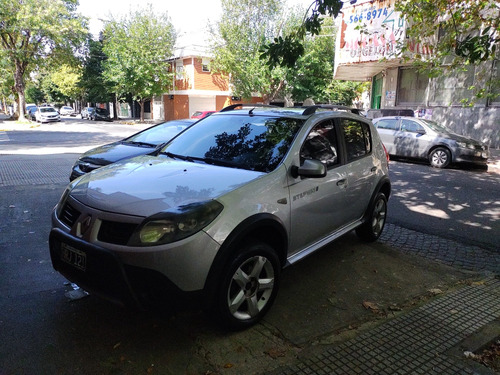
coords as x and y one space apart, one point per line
220 210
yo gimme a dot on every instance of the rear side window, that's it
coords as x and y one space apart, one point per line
391 124
357 138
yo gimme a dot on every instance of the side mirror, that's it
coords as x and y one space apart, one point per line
310 168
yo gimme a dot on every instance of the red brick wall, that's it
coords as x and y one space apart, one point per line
181 106
207 80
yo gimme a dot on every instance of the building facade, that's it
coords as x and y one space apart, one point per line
369 35
195 87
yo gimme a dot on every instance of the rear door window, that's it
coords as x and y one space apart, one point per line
357 138
321 144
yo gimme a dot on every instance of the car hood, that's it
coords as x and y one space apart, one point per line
145 185
113 152
459 138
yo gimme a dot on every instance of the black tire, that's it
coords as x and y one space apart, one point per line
372 229
440 157
248 286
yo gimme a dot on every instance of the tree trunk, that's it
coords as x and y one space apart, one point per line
141 103
115 107
19 87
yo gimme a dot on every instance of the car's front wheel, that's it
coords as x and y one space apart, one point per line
373 226
248 287
440 157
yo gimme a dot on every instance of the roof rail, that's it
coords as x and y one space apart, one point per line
233 106
312 109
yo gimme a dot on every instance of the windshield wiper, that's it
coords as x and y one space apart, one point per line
142 144
176 156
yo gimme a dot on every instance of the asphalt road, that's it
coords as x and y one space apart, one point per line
459 204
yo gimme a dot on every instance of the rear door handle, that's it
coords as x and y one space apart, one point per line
374 169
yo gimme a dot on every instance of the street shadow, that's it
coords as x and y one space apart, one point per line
455 203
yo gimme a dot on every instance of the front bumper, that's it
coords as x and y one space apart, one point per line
50 119
105 275
465 155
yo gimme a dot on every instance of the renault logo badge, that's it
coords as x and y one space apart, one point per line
85 225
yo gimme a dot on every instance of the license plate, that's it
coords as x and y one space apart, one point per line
75 257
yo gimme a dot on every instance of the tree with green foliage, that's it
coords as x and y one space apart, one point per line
313 72
245 25
34 31
67 78
34 93
6 80
138 48
313 75
96 88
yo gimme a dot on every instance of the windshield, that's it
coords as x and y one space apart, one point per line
436 127
101 111
257 143
159 134
47 110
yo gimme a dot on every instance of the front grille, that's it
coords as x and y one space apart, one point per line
69 215
115 232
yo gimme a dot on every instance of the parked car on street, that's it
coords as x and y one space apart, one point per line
29 108
30 113
86 112
217 212
140 143
67 111
47 114
99 114
201 114
411 137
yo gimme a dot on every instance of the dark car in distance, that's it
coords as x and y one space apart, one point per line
141 143
99 114
30 113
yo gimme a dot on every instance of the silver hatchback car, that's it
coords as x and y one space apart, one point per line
424 139
219 211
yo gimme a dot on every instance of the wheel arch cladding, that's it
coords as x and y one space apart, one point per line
262 227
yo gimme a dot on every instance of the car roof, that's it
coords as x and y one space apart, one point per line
271 110
395 118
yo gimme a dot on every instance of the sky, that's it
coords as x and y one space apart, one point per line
189 17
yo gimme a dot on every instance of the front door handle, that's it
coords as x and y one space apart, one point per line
341 182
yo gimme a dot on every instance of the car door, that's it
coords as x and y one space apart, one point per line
411 139
360 168
317 203
388 129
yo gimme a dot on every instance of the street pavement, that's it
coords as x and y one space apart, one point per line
437 303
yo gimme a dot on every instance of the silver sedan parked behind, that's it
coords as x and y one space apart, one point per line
418 138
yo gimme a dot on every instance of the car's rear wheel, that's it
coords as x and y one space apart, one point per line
440 157
248 286
374 225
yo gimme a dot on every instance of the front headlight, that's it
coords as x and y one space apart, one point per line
176 224
466 145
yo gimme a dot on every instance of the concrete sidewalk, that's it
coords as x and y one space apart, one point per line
433 339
